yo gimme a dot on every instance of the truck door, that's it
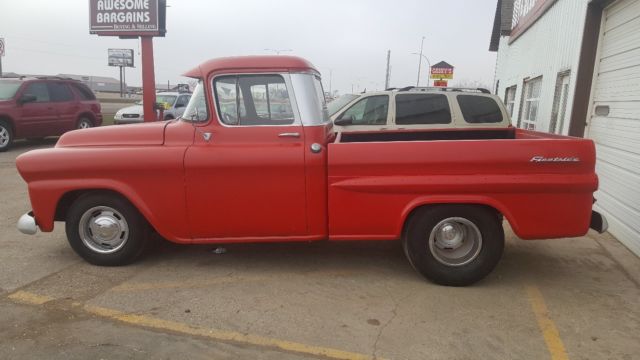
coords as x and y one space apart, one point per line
245 173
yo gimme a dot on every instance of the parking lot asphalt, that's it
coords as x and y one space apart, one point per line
559 299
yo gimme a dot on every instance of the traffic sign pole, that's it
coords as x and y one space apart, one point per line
148 79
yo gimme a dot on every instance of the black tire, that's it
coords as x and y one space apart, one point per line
84 123
6 136
419 243
134 239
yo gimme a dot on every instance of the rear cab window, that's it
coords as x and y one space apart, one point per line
477 109
422 109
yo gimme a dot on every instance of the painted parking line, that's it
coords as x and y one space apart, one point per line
546 324
25 297
201 283
142 286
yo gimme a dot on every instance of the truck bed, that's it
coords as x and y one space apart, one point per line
542 183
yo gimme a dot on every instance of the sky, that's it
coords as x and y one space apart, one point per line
346 40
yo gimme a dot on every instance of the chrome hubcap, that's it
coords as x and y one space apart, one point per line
103 229
84 125
455 241
4 137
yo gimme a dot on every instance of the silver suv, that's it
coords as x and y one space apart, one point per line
413 108
174 104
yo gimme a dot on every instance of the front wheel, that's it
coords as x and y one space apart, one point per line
6 136
105 229
454 245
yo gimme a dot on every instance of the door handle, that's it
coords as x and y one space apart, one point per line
289 134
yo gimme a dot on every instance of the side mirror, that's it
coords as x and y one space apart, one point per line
27 98
344 121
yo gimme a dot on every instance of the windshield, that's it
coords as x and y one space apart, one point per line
337 104
196 110
8 89
163 99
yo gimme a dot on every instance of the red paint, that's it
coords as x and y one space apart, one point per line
148 79
247 184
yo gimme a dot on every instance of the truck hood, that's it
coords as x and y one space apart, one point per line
151 133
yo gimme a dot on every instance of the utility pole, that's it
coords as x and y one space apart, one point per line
420 62
388 75
330 77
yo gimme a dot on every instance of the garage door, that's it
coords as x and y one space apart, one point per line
615 120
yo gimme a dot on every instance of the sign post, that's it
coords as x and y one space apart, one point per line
130 19
440 73
1 54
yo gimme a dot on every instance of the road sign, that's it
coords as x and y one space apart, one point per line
127 17
442 70
440 83
120 57
1 46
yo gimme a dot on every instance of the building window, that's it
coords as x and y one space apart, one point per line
559 111
510 99
531 103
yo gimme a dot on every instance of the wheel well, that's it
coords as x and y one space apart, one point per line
70 197
415 210
87 115
9 121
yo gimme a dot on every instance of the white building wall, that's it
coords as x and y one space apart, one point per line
551 45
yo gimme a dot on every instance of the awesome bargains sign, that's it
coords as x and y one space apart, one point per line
127 17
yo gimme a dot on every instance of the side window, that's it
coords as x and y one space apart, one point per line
39 90
84 92
479 109
59 92
253 100
371 110
182 101
422 109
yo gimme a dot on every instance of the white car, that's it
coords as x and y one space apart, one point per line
174 102
422 108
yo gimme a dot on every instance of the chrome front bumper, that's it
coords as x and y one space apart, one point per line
598 222
27 224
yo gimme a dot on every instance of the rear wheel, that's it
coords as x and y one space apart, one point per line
454 245
105 229
84 123
6 135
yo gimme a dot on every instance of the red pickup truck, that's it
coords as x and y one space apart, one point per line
255 159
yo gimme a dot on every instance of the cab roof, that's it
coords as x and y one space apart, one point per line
263 62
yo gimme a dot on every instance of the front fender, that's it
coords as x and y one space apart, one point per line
46 194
